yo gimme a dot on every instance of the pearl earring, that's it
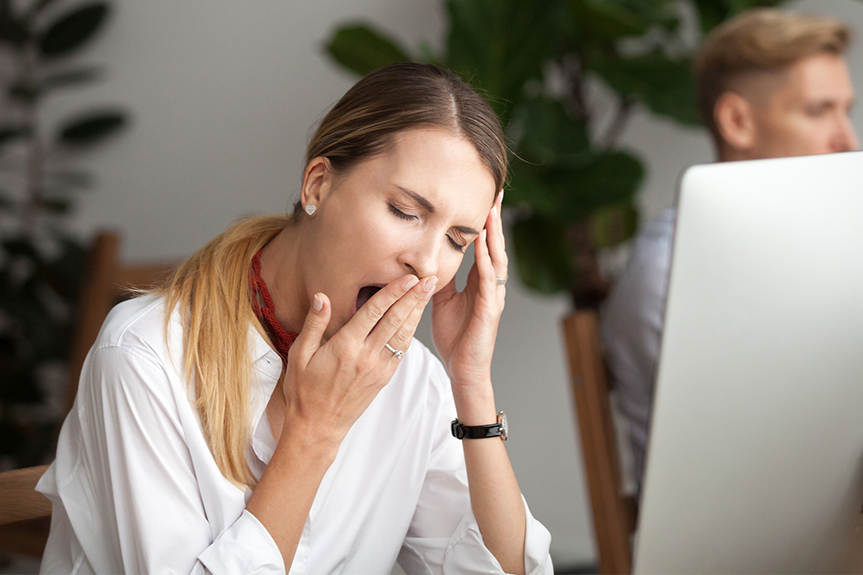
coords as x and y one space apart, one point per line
310 209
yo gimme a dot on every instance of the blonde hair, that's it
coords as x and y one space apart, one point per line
760 40
211 288
211 292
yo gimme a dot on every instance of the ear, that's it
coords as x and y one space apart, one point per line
735 121
317 181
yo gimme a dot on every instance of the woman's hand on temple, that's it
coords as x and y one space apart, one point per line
464 324
328 386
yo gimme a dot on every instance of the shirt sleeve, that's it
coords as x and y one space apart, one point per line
444 537
132 497
631 326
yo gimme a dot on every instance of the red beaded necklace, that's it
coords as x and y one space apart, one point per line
266 313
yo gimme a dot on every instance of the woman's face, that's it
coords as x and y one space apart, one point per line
414 209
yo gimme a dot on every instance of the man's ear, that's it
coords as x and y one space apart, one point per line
317 181
735 121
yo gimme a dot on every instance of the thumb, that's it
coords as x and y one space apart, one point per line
309 339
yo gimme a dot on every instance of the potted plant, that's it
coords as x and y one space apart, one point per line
40 264
572 184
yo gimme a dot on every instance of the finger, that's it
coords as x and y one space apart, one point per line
401 340
496 245
364 321
400 311
483 263
309 339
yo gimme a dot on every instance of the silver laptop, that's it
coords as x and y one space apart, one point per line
755 462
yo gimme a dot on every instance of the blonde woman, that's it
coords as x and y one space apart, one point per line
267 409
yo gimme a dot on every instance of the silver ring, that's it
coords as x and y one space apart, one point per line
501 281
396 352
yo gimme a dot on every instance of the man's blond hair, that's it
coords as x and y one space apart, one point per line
760 40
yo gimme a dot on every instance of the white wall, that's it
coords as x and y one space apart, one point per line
223 95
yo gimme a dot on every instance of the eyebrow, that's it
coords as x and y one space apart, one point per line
427 205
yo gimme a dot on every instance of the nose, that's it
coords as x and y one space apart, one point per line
422 256
846 137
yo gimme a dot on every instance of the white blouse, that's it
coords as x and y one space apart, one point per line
135 488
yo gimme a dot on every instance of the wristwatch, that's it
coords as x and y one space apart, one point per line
499 429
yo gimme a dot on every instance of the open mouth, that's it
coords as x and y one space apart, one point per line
365 294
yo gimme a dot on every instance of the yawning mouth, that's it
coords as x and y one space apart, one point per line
366 294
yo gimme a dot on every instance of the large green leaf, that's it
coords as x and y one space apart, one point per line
613 224
72 30
71 78
361 49
501 45
12 133
13 30
543 260
571 193
711 13
548 133
91 128
665 86
602 21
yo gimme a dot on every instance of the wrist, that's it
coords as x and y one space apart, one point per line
475 404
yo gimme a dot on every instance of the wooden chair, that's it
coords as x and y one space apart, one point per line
25 514
614 514
106 283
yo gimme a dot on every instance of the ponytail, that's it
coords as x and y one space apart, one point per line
211 291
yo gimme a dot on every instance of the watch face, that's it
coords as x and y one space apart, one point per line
504 428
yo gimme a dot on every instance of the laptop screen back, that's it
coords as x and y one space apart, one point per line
755 461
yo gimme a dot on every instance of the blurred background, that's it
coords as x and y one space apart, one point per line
199 114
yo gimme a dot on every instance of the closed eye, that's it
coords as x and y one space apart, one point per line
459 247
400 214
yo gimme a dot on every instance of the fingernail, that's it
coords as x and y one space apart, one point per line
412 281
500 199
495 212
429 286
318 303
483 234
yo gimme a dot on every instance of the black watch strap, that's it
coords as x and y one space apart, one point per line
499 429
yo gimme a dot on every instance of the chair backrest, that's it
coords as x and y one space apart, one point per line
106 283
25 513
614 514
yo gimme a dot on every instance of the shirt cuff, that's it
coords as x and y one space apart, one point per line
245 547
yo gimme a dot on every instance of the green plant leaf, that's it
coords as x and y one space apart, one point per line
56 205
21 247
603 20
570 194
71 78
72 30
11 133
665 86
91 128
40 5
527 191
711 13
13 30
24 91
543 260
499 45
361 49
613 224
549 135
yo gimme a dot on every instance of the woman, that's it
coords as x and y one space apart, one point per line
267 410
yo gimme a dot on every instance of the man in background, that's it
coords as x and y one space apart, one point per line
770 84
